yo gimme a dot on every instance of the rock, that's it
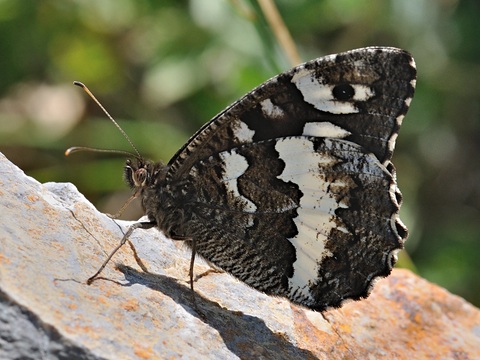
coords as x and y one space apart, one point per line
53 239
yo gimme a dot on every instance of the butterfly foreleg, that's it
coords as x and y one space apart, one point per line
140 225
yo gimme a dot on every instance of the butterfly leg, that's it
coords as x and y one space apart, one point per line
190 273
131 229
122 209
193 245
192 262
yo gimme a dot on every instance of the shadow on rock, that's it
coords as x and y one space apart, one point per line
246 336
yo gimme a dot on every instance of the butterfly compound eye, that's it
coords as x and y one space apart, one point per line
343 92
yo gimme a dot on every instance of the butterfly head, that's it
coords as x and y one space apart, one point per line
138 173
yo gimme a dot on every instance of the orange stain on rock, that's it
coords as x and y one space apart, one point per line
130 305
142 352
102 300
4 260
32 198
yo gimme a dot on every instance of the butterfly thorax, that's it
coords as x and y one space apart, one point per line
147 179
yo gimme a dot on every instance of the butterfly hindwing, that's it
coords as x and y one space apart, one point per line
295 232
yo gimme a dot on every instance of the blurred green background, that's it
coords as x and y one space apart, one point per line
164 68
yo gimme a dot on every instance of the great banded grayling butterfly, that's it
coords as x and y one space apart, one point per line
291 188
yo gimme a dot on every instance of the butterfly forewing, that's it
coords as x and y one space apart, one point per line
304 101
291 188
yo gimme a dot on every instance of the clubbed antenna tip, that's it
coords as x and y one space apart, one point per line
74 149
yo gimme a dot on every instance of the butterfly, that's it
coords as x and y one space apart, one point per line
291 189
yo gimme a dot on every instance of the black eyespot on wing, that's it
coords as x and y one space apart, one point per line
343 92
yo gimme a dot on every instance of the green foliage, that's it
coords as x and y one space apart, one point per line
164 68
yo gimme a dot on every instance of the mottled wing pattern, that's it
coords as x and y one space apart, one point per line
316 231
302 102
291 188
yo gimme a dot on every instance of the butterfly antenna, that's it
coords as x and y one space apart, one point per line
73 149
85 88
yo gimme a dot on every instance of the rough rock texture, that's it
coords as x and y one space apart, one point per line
52 239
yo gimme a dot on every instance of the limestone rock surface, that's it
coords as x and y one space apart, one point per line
52 239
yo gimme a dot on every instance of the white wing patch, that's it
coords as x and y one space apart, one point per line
235 166
316 212
242 132
271 110
325 129
320 95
